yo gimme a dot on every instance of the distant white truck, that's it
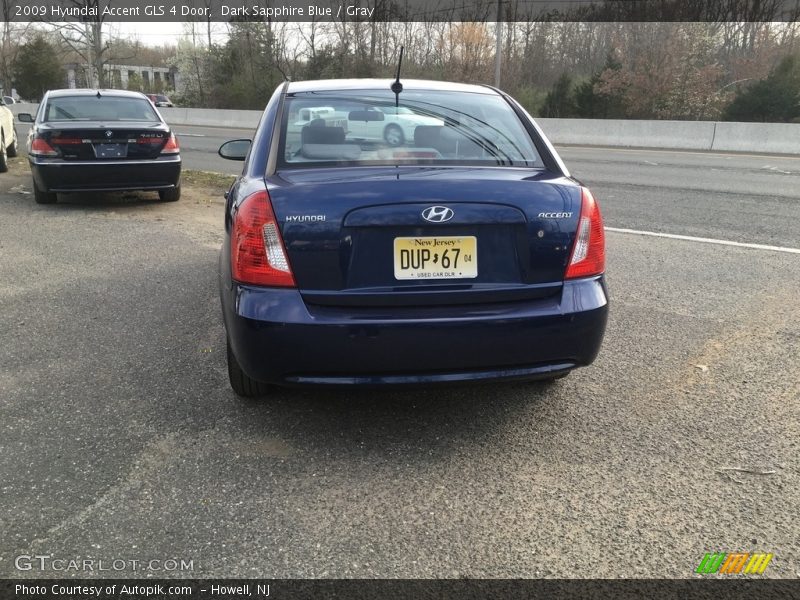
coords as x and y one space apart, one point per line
394 126
330 116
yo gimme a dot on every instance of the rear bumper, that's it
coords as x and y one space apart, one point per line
55 175
278 339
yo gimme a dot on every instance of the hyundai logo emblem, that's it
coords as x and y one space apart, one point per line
109 134
437 214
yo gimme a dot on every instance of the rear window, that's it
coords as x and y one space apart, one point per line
425 127
105 108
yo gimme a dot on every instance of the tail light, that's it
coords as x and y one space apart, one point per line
40 147
258 256
66 141
171 147
589 252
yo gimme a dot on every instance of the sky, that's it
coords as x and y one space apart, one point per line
156 33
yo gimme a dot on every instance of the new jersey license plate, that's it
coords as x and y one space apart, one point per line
436 257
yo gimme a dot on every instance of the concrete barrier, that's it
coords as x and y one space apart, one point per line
685 135
768 138
777 138
204 117
23 107
236 119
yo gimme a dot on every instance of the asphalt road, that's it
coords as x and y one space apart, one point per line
120 439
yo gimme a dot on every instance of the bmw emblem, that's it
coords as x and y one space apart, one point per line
109 133
437 214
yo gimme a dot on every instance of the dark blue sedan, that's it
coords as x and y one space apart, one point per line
417 236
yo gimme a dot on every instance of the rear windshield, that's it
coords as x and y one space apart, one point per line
424 127
105 108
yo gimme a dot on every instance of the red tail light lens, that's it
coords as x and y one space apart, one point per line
171 147
41 148
62 141
258 256
589 252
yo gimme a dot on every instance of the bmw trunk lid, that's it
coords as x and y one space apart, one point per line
424 235
99 141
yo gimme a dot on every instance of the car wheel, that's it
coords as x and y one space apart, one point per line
43 197
3 155
13 149
393 135
242 384
170 195
551 380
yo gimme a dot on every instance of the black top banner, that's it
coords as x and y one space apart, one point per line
403 10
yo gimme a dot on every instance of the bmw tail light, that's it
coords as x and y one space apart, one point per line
258 256
589 252
171 147
40 147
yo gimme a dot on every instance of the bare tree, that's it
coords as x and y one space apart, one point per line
86 40
13 35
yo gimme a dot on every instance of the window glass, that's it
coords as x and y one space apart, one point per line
105 108
369 127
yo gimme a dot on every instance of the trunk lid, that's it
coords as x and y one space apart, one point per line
357 236
119 140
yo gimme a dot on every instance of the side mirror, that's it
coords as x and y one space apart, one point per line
25 118
235 149
8 100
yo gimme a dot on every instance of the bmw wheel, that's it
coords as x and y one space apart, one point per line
43 197
393 135
170 195
13 149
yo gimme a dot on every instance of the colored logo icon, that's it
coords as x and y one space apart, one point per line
734 562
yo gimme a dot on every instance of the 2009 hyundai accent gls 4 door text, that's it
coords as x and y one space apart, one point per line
461 250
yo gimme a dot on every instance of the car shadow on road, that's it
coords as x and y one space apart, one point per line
101 201
420 423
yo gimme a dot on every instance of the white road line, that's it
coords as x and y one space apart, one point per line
689 238
191 134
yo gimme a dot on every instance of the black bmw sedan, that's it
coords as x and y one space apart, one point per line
101 141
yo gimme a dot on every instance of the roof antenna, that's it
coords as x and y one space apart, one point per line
397 87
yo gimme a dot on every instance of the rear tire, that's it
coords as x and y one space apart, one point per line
13 150
3 155
554 378
243 385
170 195
43 197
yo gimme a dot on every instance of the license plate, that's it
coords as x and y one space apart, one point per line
111 150
436 257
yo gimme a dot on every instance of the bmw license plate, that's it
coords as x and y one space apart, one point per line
111 150
436 257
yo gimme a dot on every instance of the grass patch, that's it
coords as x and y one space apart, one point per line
216 181
19 162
